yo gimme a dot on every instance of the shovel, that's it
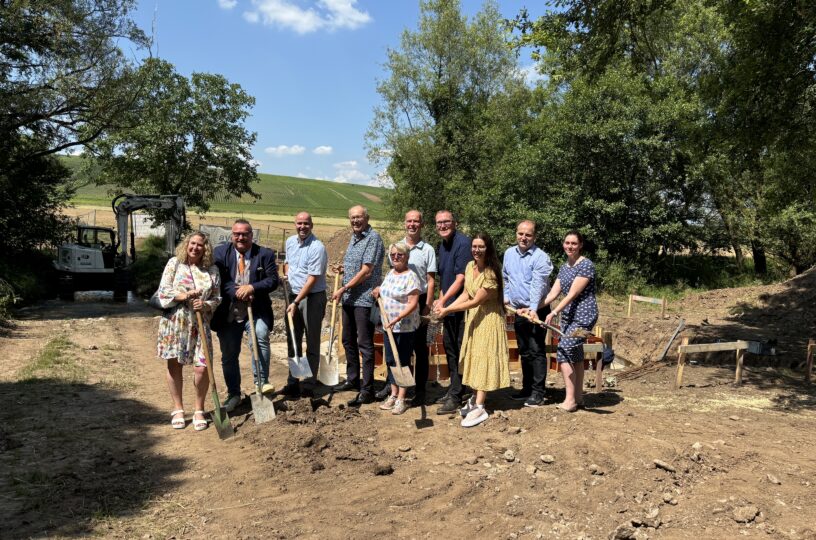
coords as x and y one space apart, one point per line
262 408
402 374
298 365
535 320
219 415
328 373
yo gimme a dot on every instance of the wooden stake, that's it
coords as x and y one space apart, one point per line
740 356
809 368
629 311
663 309
681 362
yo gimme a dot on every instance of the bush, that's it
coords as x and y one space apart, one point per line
619 278
150 262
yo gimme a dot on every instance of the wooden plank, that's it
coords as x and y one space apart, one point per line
713 347
809 365
681 363
629 311
740 357
607 340
647 299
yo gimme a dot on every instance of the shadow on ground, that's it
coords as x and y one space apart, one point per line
72 455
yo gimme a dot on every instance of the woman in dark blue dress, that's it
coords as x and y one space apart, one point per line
579 313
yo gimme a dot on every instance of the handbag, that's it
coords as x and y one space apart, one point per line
154 299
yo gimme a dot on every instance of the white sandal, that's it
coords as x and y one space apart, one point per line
178 423
199 424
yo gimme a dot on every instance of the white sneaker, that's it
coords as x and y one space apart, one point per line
231 403
399 407
475 417
388 404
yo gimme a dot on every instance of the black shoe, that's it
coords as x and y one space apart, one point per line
534 401
384 393
307 393
345 386
450 406
362 398
521 396
292 391
442 399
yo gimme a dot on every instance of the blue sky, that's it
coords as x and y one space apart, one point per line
312 66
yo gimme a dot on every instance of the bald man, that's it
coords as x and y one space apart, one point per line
305 269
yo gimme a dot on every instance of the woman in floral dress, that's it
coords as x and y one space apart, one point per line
576 279
484 353
190 283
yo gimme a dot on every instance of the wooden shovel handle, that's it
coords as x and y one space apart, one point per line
384 317
205 345
535 320
334 310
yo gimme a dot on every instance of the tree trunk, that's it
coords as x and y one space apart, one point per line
760 260
738 255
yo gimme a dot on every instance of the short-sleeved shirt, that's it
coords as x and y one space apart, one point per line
365 249
307 258
526 276
453 259
583 309
395 290
422 260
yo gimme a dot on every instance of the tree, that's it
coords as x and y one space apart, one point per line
182 136
435 130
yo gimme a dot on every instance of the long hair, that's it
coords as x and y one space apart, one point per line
492 262
206 258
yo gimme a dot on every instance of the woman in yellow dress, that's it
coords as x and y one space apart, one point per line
484 348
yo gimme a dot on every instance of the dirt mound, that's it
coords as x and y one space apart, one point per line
337 245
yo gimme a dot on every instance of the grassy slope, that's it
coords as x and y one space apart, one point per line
282 195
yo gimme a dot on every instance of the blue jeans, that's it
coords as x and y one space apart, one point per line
230 337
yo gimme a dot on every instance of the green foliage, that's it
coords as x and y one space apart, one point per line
150 262
182 136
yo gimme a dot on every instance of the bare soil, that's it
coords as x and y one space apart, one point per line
86 447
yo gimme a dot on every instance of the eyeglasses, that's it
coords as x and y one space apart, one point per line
242 234
396 255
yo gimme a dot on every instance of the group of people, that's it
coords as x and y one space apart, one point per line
474 290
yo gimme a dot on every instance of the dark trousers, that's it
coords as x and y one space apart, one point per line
308 319
358 339
421 352
453 329
531 340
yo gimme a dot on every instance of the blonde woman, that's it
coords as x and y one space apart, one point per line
190 283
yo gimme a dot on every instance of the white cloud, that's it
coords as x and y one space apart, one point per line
347 171
284 150
227 4
323 150
323 15
531 74
352 164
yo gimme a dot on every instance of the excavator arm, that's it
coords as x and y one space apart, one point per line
123 207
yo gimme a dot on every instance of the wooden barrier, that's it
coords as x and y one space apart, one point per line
648 300
809 364
685 349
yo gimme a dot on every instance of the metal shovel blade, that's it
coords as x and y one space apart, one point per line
299 367
327 373
402 376
221 419
263 409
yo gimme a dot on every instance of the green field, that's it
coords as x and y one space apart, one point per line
279 195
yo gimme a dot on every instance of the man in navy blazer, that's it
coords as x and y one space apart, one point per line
248 274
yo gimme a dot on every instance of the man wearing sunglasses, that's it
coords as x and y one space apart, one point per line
248 275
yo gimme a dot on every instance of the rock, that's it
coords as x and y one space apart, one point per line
404 448
640 534
513 430
509 455
697 446
667 497
547 458
773 479
734 417
745 514
594 469
383 469
623 532
532 469
471 460
663 465
317 466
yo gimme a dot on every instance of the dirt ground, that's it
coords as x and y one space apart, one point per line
86 447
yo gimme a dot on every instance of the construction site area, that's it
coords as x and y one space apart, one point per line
86 447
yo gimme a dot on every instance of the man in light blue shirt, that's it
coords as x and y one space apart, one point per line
526 272
305 269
